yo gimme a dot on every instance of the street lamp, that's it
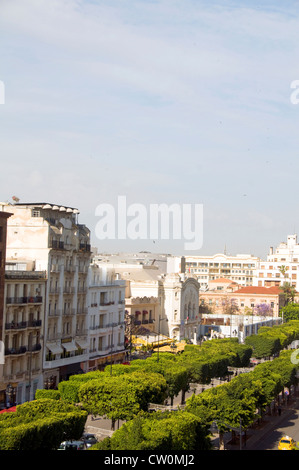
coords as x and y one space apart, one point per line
160 319
9 395
111 349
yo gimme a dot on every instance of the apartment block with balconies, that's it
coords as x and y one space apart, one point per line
239 268
50 236
24 311
281 265
106 310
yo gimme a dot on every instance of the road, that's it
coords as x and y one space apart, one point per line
289 425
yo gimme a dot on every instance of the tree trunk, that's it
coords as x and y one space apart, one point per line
221 441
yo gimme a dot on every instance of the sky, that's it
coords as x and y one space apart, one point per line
161 102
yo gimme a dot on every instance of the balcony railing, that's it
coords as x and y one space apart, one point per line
84 247
22 349
24 300
22 325
57 245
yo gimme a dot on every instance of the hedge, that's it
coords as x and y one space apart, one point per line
169 431
271 340
51 394
41 424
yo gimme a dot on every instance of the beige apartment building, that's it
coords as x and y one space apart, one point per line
239 268
24 307
50 236
226 297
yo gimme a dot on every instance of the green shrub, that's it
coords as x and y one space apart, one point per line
52 394
69 390
161 431
41 424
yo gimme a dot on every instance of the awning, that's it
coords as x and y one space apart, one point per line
69 346
82 344
54 348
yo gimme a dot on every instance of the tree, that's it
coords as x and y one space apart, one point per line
289 292
122 396
161 431
229 306
263 309
290 312
113 397
263 345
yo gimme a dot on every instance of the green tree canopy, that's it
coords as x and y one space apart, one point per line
167 431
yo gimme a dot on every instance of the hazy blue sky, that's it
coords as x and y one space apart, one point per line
171 101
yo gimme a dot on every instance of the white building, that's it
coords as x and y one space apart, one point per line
181 306
50 236
165 303
106 310
239 268
282 265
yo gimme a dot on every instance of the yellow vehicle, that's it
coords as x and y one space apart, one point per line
286 443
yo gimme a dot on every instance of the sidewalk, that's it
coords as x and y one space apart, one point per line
268 424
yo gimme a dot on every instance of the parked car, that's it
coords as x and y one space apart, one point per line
89 439
286 443
72 445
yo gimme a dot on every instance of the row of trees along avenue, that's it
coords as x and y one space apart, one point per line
123 392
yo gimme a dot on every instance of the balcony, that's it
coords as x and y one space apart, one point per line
57 245
82 311
22 350
82 290
68 312
24 300
84 247
55 290
23 325
104 303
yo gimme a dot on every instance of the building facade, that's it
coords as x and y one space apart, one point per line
239 268
282 265
3 230
251 300
106 311
159 302
51 237
24 307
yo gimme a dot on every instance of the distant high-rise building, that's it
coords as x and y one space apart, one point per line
282 265
239 268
